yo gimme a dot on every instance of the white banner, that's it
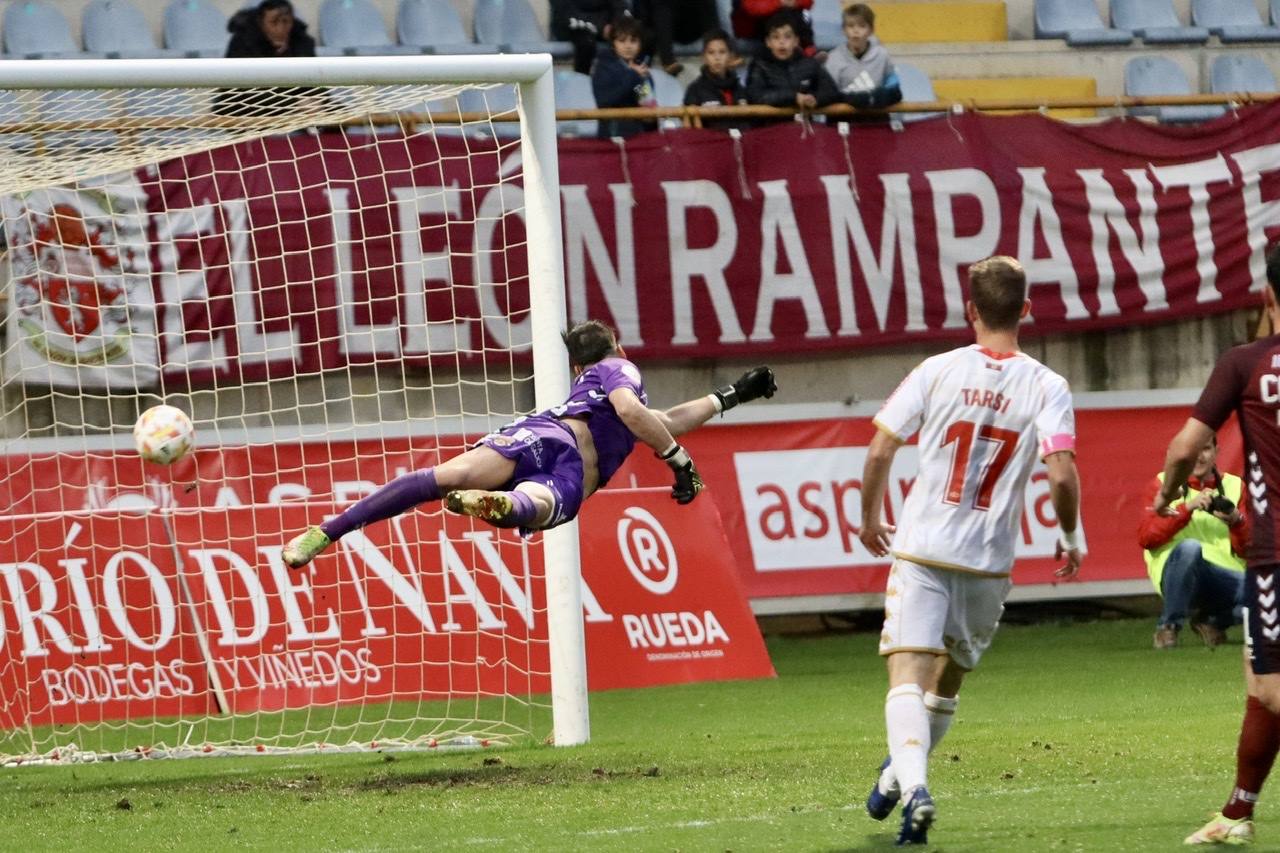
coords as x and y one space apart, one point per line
81 309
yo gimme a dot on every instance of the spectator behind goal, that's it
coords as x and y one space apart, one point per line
861 67
783 76
268 29
719 83
621 79
751 18
586 24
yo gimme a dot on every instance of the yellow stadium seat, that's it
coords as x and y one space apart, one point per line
940 22
1027 88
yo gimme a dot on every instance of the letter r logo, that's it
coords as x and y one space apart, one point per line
647 551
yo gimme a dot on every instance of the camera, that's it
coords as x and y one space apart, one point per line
1221 504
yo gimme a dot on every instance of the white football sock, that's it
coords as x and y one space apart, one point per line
941 712
907 724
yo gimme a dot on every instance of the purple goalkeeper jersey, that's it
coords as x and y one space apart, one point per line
589 400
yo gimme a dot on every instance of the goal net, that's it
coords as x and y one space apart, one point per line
342 270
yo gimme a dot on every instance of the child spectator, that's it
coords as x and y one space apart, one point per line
861 68
782 76
718 84
621 79
750 16
585 23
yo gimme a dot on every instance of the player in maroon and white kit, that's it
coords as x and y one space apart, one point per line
1246 381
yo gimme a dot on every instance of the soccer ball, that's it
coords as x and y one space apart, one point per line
163 434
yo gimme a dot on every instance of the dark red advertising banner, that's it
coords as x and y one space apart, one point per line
102 616
301 253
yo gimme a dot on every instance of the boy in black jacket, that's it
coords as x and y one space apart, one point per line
718 84
621 79
782 76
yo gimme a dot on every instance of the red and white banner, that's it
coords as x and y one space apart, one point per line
790 496
101 615
303 253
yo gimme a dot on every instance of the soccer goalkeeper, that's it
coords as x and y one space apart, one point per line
534 473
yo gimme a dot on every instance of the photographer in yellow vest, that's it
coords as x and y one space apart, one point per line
1196 557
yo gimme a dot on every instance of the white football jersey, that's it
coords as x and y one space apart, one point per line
983 419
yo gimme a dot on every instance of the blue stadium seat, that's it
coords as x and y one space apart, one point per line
116 28
1235 73
12 113
434 26
573 92
828 24
497 99
916 88
1155 22
1077 21
1232 20
34 30
195 28
176 104
354 28
668 91
1158 75
77 105
513 26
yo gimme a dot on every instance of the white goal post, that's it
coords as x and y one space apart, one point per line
38 161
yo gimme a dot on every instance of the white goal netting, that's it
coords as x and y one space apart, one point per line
334 286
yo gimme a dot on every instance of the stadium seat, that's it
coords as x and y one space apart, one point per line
195 28
573 92
12 113
144 103
513 26
116 28
1155 22
1158 75
669 93
1232 20
916 88
354 28
497 99
77 105
828 24
1234 73
35 30
434 26
1077 21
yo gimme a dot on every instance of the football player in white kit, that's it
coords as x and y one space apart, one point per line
984 414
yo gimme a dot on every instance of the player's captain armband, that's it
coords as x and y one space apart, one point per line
1056 443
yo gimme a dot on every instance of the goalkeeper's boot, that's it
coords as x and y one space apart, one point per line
494 507
1223 830
304 547
918 814
880 802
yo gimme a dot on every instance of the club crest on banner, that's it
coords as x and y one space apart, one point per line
79 262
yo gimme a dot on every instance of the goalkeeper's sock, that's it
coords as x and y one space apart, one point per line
942 711
907 724
402 493
523 511
1255 754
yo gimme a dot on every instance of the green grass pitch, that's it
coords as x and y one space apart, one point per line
1069 737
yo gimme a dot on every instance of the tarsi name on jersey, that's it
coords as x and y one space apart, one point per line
993 400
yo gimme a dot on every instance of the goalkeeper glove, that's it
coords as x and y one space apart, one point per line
688 481
755 383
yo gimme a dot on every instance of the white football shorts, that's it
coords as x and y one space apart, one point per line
941 611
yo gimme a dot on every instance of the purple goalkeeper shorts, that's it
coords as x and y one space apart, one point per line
545 451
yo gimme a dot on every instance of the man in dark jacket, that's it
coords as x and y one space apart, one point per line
718 84
585 23
268 29
783 76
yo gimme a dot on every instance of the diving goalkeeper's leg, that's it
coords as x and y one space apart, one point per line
479 467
